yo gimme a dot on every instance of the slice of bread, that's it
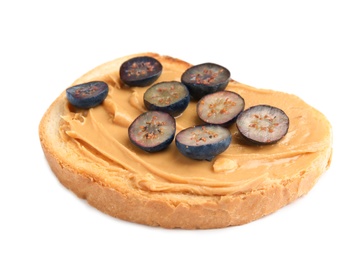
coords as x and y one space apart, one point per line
166 189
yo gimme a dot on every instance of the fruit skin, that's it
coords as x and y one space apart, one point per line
205 78
87 95
269 124
162 126
140 71
200 149
176 108
222 113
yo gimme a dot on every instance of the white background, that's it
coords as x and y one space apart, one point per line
308 48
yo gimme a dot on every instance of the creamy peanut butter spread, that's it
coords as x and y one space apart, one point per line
101 134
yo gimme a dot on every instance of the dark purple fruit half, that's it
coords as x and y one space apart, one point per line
263 124
220 108
203 142
205 78
152 131
140 71
87 95
168 96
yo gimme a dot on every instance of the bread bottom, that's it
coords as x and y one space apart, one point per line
210 212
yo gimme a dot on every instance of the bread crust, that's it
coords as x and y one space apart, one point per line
168 210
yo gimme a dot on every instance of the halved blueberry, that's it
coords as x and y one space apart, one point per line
152 131
87 95
263 124
220 108
169 96
203 142
140 71
205 78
